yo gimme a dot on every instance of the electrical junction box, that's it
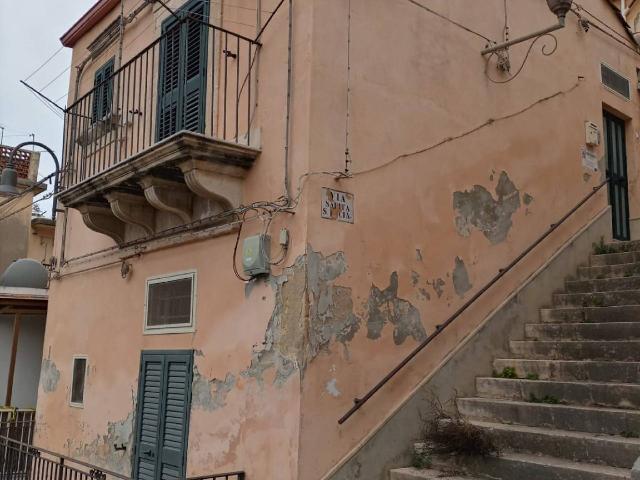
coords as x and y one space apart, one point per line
255 255
592 134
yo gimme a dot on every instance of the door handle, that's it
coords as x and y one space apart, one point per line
148 452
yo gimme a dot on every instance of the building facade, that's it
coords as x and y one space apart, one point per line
395 169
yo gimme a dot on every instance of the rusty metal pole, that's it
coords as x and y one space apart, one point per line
12 363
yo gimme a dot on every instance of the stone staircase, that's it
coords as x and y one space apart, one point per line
566 404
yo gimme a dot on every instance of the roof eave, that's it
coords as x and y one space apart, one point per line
96 13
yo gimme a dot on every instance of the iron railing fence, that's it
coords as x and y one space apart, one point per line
17 424
21 461
195 77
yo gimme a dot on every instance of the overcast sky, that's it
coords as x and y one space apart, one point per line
29 34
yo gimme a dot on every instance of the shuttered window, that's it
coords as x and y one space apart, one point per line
183 71
103 92
170 303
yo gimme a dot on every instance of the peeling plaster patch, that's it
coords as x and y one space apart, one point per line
586 177
438 286
101 450
415 278
418 254
332 388
478 208
211 394
49 376
298 332
461 282
425 295
384 306
527 199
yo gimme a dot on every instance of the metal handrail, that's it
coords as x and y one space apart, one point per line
359 402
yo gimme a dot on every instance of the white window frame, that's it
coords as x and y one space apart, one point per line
179 328
84 384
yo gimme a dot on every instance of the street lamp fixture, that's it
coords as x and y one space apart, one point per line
9 177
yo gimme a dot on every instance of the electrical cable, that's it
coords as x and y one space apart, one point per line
30 205
576 12
347 153
44 63
56 78
27 190
447 19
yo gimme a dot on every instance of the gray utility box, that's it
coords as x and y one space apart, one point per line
255 255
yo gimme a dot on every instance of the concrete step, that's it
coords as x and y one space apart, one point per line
614 451
603 285
614 258
583 331
608 271
613 395
572 370
522 466
616 313
417 474
625 351
612 421
597 299
624 246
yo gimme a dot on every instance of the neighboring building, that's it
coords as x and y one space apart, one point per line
184 134
23 236
26 243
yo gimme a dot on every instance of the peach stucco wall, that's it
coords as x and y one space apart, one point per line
428 132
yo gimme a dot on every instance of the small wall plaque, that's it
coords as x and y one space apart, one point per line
337 205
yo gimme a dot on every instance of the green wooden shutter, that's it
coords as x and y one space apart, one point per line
195 71
183 68
169 89
103 92
176 417
164 404
149 416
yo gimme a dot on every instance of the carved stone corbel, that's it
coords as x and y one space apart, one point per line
132 209
101 219
222 183
168 196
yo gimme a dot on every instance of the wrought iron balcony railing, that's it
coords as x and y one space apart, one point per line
196 77
20 461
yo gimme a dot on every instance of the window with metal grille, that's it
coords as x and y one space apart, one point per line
77 380
615 82
103 91
170 303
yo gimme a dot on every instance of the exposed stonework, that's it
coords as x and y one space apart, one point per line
384 307
477 208
49 376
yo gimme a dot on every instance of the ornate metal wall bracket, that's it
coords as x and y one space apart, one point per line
503 62
501 51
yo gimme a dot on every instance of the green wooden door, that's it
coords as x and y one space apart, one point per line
183 69
162 427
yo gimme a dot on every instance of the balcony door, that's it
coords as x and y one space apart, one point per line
183 71
162 426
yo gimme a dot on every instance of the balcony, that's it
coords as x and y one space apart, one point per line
167 138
